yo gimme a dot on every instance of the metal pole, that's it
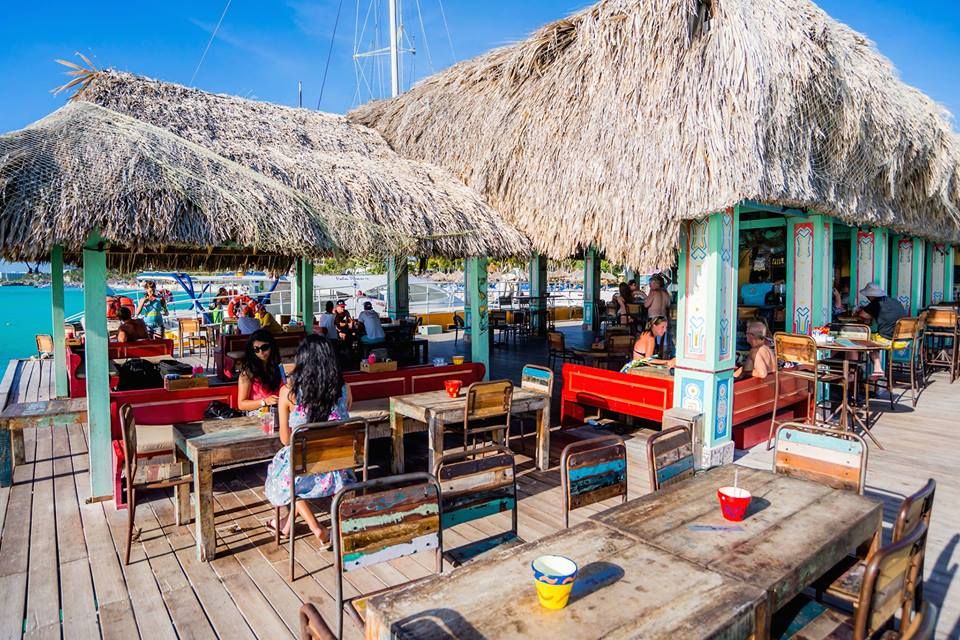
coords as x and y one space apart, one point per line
394 51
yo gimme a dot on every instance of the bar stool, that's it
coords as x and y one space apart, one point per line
941 337
797 357
906 335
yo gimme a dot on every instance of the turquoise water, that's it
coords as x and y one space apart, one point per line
25 312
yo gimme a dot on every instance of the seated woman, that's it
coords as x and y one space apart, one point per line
651 347
761 361
131 329
315 393
266 320
624 298
259 381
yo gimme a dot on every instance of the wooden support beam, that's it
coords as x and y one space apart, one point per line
59 333
97 368
591 289
479 321
398 288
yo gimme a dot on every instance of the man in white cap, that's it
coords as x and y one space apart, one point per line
885 312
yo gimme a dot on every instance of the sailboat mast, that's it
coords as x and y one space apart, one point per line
394 51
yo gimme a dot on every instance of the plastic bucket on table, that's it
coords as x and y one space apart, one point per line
733 502
452 387
554 576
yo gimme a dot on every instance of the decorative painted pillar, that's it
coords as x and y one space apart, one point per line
305 292
907 279
706 335
398 288
948 278
591 289
868 253
939 272
809 273
476 286
97 368
538 292
59 334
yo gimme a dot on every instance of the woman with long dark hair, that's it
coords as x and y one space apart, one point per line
625 298
315 392
259 383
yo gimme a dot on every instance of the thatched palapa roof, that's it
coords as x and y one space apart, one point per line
609 127
329 160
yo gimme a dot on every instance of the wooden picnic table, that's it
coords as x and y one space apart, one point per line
625 588
794 532
45 413
436 409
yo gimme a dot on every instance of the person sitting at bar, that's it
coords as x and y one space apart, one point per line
625 298
259 381
652 345
316 393
658 300
346 327
328 324
372 327
247 323
884 312
131 329
761 361
266 320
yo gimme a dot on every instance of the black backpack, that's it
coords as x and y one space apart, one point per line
137 373
174 366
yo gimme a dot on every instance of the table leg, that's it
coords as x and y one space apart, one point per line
543 437
396 433
6 455
182 494
844 418
16 442
434 443
203 509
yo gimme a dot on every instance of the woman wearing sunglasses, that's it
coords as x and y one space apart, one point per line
259 381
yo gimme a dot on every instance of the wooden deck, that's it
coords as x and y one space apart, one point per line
61 571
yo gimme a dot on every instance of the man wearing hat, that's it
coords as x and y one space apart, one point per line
885 312
345 324
372 327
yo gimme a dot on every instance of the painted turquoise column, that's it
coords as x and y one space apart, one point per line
466 300
97 371
478 320
591 289
538 292
398 288
295 290
907 278
809 273
948 283
305 293
870 261
59 335
935 274
706 334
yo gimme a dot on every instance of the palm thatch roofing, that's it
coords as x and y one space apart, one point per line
609 127
424 210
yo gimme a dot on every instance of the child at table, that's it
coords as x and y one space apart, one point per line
315 393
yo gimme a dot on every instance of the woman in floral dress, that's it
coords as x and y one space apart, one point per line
314 393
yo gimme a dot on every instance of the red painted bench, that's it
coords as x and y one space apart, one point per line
76 369
649 394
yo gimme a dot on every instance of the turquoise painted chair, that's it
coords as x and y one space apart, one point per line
540 380
474 485
670 457
834 458
591 471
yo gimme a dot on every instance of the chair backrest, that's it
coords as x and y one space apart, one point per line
834 458
592 470
555 341
312 625
854 331
500 316
915 509
620 344
537 378
476 484
188 325
321 447
44 343
889 583
670 457
128 425
942 318
380 520
633 309
795 349
491 399
906 329
505 300
458 321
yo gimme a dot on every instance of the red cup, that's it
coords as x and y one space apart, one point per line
452 387
733 502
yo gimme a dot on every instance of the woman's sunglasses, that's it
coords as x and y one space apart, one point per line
261 348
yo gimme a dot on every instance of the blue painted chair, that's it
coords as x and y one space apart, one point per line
381 520
474 485
670 457
834 458
591 471
539 380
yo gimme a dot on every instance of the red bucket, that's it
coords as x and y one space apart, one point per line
733 502
452 387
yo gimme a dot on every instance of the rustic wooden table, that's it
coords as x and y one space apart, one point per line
858 348
45 413
436 409
625 588
794 531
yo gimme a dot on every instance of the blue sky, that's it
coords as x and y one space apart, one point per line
265 46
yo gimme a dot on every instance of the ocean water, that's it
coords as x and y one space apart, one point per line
25 312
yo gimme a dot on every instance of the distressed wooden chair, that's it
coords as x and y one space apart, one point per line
44 345
889 584
941 340
487 411
474 488
557 350
157 475
834 458
591 471
191 334
381 520
906 336
539 380
670 457
914 511
322 447
797 357
312 625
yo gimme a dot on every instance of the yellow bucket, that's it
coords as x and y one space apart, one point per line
553 596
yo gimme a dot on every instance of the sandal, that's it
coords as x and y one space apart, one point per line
272 525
